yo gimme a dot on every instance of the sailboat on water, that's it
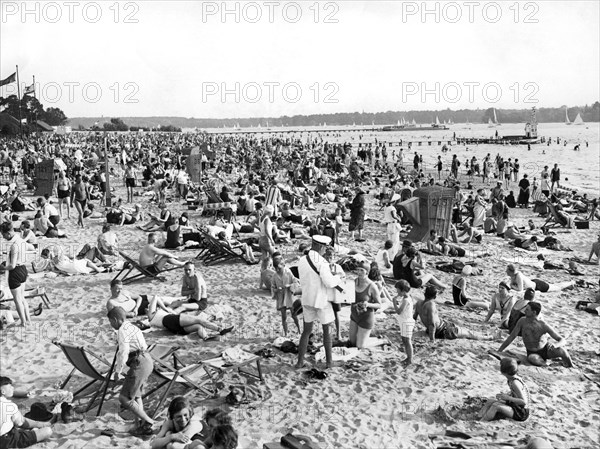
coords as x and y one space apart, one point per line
567 121
578 120
493 123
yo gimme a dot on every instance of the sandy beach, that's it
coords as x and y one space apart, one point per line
377 404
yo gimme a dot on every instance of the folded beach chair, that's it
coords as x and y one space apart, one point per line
220 365
29 294
132 271
193 377
78 357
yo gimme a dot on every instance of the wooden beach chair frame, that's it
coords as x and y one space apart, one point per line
218 367
218 252
78 358
33 293
141 273
170 374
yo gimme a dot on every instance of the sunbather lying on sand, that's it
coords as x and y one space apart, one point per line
519 282
160 314
529 243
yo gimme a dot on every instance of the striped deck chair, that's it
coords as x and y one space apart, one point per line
555 220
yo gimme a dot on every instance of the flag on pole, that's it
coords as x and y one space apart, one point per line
11 79
29 89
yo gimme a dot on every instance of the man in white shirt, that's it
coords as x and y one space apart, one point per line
317 283
133 352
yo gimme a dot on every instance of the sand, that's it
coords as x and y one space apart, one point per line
381 406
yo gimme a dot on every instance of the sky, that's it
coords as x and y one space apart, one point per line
261 59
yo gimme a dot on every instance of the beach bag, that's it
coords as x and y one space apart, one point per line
291 441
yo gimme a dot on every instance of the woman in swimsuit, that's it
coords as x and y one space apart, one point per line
265 240
504 302
79 198
362 315
63 190
459 291
130 179
409 268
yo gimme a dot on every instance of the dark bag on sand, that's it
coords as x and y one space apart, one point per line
289 347
291 441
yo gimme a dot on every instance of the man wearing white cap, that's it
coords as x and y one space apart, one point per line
316 281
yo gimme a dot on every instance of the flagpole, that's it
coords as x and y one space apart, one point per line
108 199
35 114
19 99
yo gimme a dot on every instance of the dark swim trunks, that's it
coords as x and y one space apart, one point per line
447 330
17 276
18 438
171 323
520 413
202 303
547 352
143 309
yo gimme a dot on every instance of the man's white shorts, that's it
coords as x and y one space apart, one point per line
325 316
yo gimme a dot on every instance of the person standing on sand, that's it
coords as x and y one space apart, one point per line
532 330
555 177
80 196
545 181
317 283
63 190
133 352
17 272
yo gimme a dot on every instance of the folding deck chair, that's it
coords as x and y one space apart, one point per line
30 294
193 376
218 252
133 271
555 220
78 357
218 366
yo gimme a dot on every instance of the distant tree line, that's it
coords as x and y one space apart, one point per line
117 124
544 115
31 111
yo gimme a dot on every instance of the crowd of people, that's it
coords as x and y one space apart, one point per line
274 184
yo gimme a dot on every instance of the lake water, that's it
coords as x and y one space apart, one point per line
580 169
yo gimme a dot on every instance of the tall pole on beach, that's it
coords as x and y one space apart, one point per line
106 172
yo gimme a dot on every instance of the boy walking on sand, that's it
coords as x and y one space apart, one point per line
15 429
133 352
